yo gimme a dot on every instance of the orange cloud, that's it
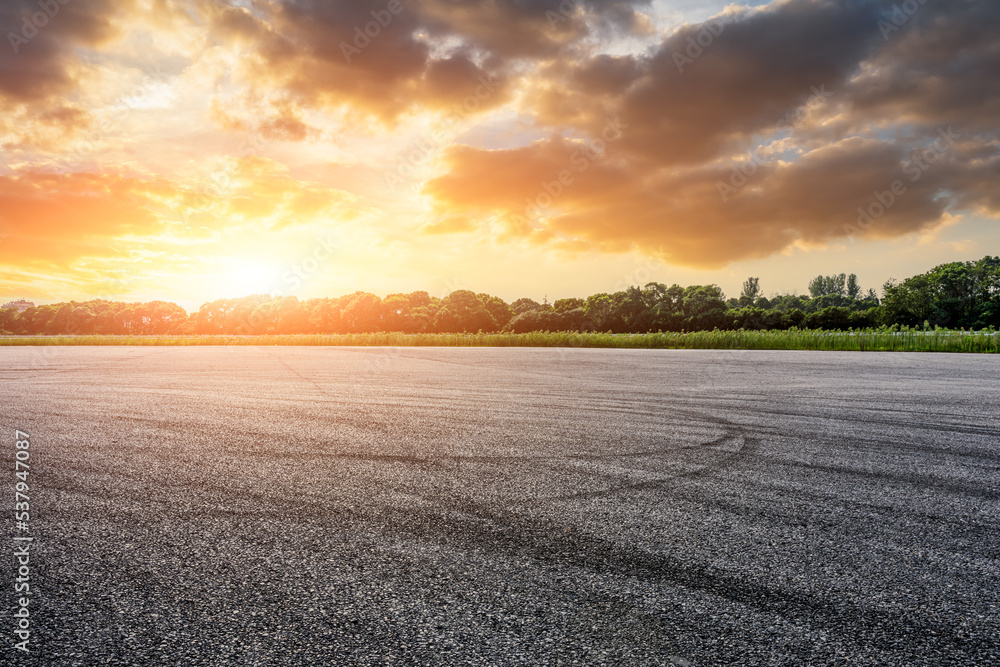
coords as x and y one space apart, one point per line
55 218
686 216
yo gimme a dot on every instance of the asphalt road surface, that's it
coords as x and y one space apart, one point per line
374 506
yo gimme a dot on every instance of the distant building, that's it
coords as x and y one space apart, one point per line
20 305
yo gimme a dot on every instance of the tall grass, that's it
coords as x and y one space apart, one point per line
862 341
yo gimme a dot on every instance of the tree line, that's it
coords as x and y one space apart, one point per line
955 295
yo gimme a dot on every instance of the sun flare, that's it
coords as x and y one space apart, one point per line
250 276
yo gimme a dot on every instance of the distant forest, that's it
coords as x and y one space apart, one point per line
955 295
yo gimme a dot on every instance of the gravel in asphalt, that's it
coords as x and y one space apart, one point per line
453 506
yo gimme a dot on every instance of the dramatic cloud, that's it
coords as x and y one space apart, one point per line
940 65
400 56
320 55
681 216
753 132
167 130
710 86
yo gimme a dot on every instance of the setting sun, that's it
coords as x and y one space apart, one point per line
249 276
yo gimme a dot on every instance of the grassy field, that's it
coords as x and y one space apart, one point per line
862 341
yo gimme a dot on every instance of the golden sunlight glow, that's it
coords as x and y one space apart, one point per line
194 151
243 276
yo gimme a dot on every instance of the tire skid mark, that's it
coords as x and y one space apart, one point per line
922 481
901 424
731 457
652 452
561 548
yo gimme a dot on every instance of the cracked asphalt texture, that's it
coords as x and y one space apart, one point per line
476 506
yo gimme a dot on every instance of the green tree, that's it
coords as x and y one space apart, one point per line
833 317
599 310
497 308
957 294
908 303
462 311
853 287
566 305
824 285
751 290
704 308
537 320
524 304
362 313
628 308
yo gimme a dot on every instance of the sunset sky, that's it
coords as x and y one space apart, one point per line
187 151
